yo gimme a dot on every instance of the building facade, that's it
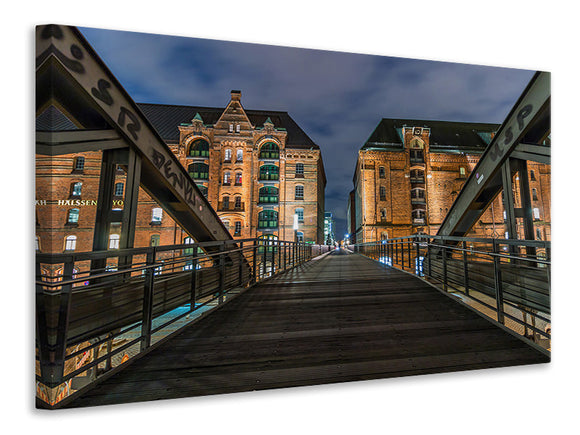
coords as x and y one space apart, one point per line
257 169
329 237
409 173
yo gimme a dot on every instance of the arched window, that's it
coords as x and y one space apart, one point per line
76 189
199 148
79 164
225 203
238 203
73 216
237 228
268 219
227 155
114 240
70 243
198 171
269 172
299 236
239 156
238 179
227 178
299 193
381 172
268 195
119 187
269 151
156 216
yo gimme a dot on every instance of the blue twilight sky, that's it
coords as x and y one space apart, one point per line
337 98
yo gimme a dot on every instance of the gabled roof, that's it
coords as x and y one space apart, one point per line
166 118
53 119
444 135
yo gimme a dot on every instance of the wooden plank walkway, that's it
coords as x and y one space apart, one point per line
339 318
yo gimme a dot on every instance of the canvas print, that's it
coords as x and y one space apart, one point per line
219 217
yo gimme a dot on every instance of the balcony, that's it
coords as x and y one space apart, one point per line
418 221
417 180
417 200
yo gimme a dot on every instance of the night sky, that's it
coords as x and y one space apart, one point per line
336 98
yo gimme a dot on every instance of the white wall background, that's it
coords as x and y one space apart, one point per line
521 34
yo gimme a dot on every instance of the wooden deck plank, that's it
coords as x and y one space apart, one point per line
341 318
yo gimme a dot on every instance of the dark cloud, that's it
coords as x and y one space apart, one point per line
337 98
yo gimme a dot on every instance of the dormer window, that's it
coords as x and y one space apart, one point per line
231 130
238 128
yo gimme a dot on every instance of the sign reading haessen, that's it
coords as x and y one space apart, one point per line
74 202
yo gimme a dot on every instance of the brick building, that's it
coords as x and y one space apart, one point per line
409 172
257 169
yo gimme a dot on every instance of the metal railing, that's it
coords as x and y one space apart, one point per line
97 310
507 280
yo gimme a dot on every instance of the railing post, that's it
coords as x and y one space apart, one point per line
409 253
222 272
264 258
284 247
498 284
279 256
465 268
241 265
193 278
255 261
444 253
418 269
148 292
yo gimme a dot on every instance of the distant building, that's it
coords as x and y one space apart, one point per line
329 238
409 172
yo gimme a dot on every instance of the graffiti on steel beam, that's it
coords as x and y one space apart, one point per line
160 161
498 149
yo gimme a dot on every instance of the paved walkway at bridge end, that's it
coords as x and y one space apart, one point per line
339 318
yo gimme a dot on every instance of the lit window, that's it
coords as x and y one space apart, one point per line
155 240
114 240
268 194
269 172
156 215
238 228
76 189
73 216
269 151
228 155
268 219
239 156
37 243
119 189
238 127
226 179
299 192
536 214
231 129
70 243
238 178
462 172
300 213
199 148
188 241
300 170
198 171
